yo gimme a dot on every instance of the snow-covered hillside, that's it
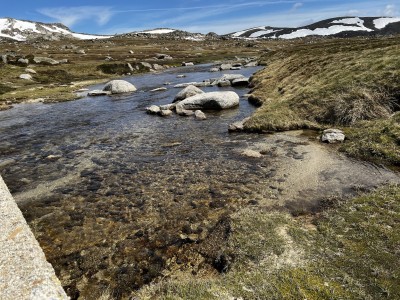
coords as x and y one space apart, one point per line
25 30
344 27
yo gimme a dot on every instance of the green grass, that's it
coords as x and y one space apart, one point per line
335 82
350 251
346 83
377 140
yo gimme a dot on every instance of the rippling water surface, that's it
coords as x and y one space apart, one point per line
113 194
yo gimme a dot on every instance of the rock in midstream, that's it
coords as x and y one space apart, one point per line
210 101
187 92
119 87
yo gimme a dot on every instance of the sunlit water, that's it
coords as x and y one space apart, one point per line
112 193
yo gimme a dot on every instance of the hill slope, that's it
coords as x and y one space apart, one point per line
20 30
339 27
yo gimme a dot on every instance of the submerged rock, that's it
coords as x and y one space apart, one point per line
333 136
199 115
251 153
212 101
237 126
119 87
187 92
160 89
165 112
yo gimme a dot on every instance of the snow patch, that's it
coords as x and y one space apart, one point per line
323 31
158 31
196 39
262 32
239 33
383 22
350 21
82 36
25 26
17 37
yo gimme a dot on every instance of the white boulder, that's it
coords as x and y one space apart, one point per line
187 92
333 136
210 101
119 87
25 76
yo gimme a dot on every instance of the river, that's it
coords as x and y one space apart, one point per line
116 196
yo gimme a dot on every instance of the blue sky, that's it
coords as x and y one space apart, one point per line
223 16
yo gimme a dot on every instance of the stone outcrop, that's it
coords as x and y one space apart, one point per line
25 273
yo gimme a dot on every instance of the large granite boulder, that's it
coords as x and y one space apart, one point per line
187 92
119 87
210 101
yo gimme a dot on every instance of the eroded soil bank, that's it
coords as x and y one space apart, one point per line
118 198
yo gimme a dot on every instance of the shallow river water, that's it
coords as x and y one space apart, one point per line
114 195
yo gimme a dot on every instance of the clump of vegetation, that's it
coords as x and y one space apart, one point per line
348 252
54 76
377 140
120 68
5 89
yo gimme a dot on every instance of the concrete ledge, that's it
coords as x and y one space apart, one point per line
24 271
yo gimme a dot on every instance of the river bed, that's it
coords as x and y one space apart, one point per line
115 195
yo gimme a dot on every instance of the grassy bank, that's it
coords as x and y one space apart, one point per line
350 251
352 83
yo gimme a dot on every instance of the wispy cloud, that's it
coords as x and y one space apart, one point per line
296 6
391 10
291 19
71 15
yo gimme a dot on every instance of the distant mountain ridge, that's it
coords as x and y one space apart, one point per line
338 27
21 30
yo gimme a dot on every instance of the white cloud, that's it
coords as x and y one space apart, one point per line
296 6
391 10
71 15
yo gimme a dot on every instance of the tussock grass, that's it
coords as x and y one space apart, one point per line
350 251
327 82
375 140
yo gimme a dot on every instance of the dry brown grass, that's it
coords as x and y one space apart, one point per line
327 82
